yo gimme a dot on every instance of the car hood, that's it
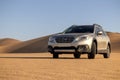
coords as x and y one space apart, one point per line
74 34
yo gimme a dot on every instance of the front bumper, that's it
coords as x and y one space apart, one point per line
69 49
82 46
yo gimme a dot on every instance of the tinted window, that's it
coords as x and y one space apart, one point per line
100 29
97 30
80 29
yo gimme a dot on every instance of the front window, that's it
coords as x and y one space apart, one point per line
80 29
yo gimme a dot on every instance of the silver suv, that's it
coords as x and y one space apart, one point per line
80 39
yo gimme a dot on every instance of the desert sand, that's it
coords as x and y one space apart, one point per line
41 66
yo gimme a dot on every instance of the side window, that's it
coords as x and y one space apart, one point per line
97 30
104 34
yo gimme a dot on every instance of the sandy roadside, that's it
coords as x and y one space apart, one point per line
41 66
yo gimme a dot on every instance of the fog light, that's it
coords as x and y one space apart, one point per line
83 48
50 49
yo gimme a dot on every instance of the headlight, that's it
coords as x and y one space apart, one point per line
84 38
81 38
52 39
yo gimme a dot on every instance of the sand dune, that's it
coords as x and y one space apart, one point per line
31 46
40 44
7 43
115 41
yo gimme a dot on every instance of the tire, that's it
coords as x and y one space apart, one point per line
93 52
107 55
55 55
77 55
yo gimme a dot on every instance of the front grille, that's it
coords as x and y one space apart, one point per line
64 39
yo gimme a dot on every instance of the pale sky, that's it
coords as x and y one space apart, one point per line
28 19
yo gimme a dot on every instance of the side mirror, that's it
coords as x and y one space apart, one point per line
100 33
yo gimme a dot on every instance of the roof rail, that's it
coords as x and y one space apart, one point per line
96 25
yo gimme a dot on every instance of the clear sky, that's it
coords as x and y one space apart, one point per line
28 19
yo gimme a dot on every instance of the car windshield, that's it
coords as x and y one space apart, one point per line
80 29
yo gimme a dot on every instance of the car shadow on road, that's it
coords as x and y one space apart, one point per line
44 58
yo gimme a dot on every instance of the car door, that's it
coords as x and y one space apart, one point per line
104 39
100 39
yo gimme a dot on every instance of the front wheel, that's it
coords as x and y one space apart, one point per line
55 55
107 55
93 52
77 55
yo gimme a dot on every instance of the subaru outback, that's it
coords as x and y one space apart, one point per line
80 39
